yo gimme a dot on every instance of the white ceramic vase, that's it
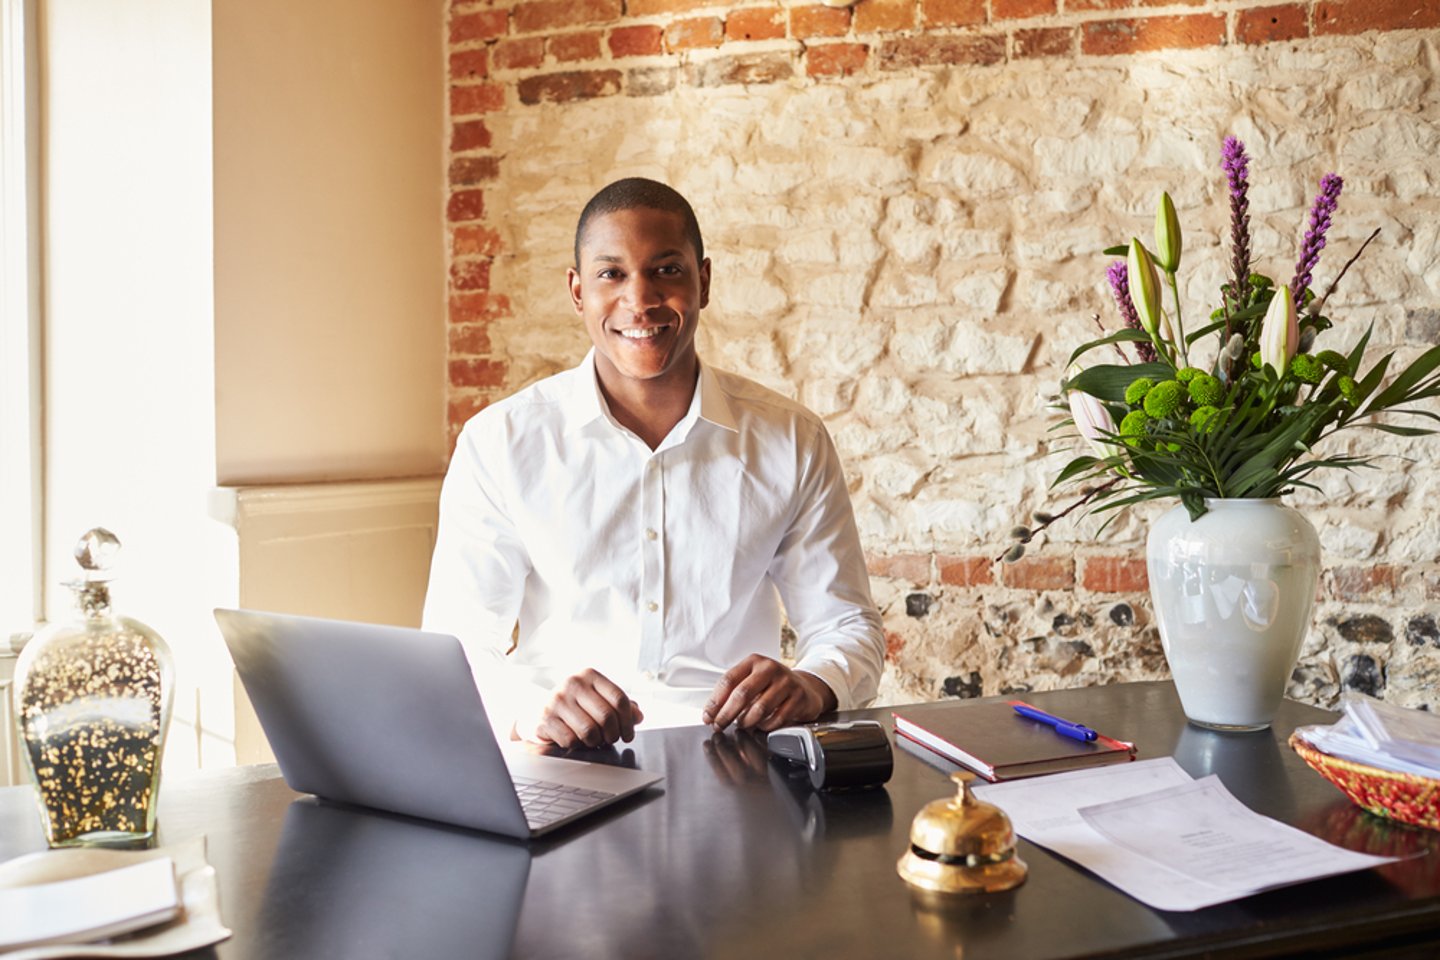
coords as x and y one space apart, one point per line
1233 593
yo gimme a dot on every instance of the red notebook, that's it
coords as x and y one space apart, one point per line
999 744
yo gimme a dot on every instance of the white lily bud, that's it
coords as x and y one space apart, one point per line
1167 235
1094 422
1280 331
1144 286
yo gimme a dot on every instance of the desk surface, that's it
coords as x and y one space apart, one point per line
728 858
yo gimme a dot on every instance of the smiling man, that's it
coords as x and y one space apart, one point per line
642 516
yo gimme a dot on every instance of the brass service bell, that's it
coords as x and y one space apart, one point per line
961 845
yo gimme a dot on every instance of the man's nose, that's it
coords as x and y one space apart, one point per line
641 293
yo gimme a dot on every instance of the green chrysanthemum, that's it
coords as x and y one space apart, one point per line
1132 428
1349 389
1137 390
1335 361
1206 391
1202 416
1306 368
1186 374
1164 399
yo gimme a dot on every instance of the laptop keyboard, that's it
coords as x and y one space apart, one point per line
545 802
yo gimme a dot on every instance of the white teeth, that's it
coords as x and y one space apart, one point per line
644 333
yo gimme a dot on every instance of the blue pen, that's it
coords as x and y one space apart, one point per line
1075 731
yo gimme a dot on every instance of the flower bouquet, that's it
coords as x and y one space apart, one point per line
1232 570
1243 424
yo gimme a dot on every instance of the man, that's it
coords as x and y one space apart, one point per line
638 514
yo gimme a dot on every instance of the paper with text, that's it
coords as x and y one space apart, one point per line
1047 812
1199 829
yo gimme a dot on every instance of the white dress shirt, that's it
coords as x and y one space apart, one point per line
660 569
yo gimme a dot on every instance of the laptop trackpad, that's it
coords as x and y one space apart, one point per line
579 773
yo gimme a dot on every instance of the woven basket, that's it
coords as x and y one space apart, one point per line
1386 793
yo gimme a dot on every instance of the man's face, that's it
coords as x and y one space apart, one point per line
640 292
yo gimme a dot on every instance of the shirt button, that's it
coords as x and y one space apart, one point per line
652 606
650 534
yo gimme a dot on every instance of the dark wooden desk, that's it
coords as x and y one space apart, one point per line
730 859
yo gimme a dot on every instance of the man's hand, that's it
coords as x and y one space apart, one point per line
587 710
759 693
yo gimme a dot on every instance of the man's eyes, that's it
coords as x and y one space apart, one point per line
668 270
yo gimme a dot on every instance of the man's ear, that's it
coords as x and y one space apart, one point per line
572 280
705 283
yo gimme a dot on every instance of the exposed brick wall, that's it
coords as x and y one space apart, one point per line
581 78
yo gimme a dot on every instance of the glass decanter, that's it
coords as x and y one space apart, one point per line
92 701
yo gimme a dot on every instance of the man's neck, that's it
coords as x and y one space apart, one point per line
650 408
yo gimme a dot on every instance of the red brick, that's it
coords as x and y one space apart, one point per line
470 64
894 645
465 205
469 339
695 32
462 407
1039 573
835 59
478 307
470 135
1108 37
888 15
1049 42
1020 9
1115 575
523 54
1171 3
575 46
638 41
574 85
952 13
929 50
1073 5
755 23
748 68
485 25
1357 16
474 241
476 372
819 21
912 567
470 170
966 571
1269 24
476 98
470 275
541 15
645 8
1363 583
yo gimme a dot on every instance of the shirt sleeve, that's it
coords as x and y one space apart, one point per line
819 570
477 579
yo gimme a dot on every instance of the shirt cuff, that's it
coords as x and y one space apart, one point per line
833 677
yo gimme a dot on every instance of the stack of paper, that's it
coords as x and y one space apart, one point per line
1381 735
1166 840
89 908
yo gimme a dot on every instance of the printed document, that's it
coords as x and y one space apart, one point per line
1165 839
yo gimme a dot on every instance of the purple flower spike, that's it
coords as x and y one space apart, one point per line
1119 276
1237 173
1325 203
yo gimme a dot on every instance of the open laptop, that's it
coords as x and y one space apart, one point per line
389 717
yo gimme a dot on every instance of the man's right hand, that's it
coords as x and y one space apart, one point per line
586 710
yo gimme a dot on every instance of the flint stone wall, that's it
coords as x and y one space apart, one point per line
906 217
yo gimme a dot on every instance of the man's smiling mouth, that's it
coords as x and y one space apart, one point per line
643 333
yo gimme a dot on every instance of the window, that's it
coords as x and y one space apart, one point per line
20 431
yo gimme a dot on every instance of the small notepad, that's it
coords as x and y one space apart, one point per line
90 908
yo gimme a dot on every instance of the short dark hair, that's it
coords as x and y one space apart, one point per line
635 192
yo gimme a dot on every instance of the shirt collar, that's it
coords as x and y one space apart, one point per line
585 405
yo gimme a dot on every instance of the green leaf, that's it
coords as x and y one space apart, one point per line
1074 468
1399 431
1108 381
1206 330
1121 336
1120 251
1409 377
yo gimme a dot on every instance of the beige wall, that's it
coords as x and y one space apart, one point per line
329 272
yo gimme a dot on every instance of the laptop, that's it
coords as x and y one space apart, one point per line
389 718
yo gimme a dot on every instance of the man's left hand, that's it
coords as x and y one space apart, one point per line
759 693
